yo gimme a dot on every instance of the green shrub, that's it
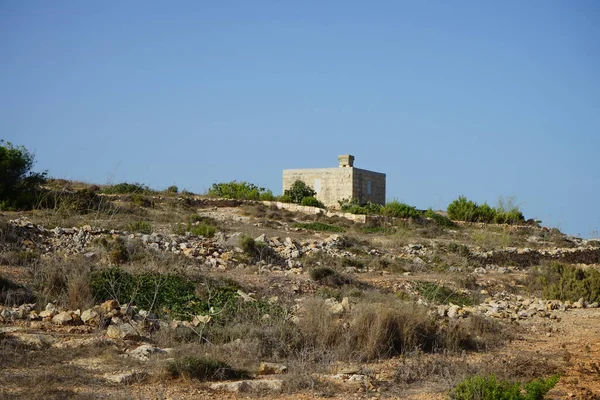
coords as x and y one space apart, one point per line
298 191
439 219
509 217
19 187
171 294
238 190
172 189
462 209
353 207
320 273
202 229
197 225
488 388
400 210
330 277
319 226
267 196
195 218
140 226
117 251
564 282
284 198
203 369
486 214
249 246
312 202
442 294
127 188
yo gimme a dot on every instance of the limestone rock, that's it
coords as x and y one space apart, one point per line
273 385
122 331
144 352
89 316
62 318
126 378
267 368
108 306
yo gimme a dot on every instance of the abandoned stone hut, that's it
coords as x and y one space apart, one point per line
343 182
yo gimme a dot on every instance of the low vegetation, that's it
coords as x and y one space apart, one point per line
489 388
565 282
127 188
443 294
240 190
19 185
319 227
202 369
463 209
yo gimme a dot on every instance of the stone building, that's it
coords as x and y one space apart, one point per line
344 182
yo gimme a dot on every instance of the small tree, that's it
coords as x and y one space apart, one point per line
18 185
298 191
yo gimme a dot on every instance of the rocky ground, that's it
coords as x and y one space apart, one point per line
52 349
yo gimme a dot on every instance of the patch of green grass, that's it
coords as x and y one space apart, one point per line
489 388
319 227
442 294
373 229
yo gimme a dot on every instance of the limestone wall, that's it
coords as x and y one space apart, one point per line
334 184
368 186
331 184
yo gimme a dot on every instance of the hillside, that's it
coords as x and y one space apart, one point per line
182 296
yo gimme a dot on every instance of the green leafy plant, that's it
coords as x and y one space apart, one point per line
400 210
238 190
298 191
353 206
171 294
442 294
564 282
489 388
463 209
19 186
439 219
312 202
197 225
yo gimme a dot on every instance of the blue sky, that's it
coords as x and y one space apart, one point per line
480 98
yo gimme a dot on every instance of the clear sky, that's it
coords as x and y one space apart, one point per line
481 98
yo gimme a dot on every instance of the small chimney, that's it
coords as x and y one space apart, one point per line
346 160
